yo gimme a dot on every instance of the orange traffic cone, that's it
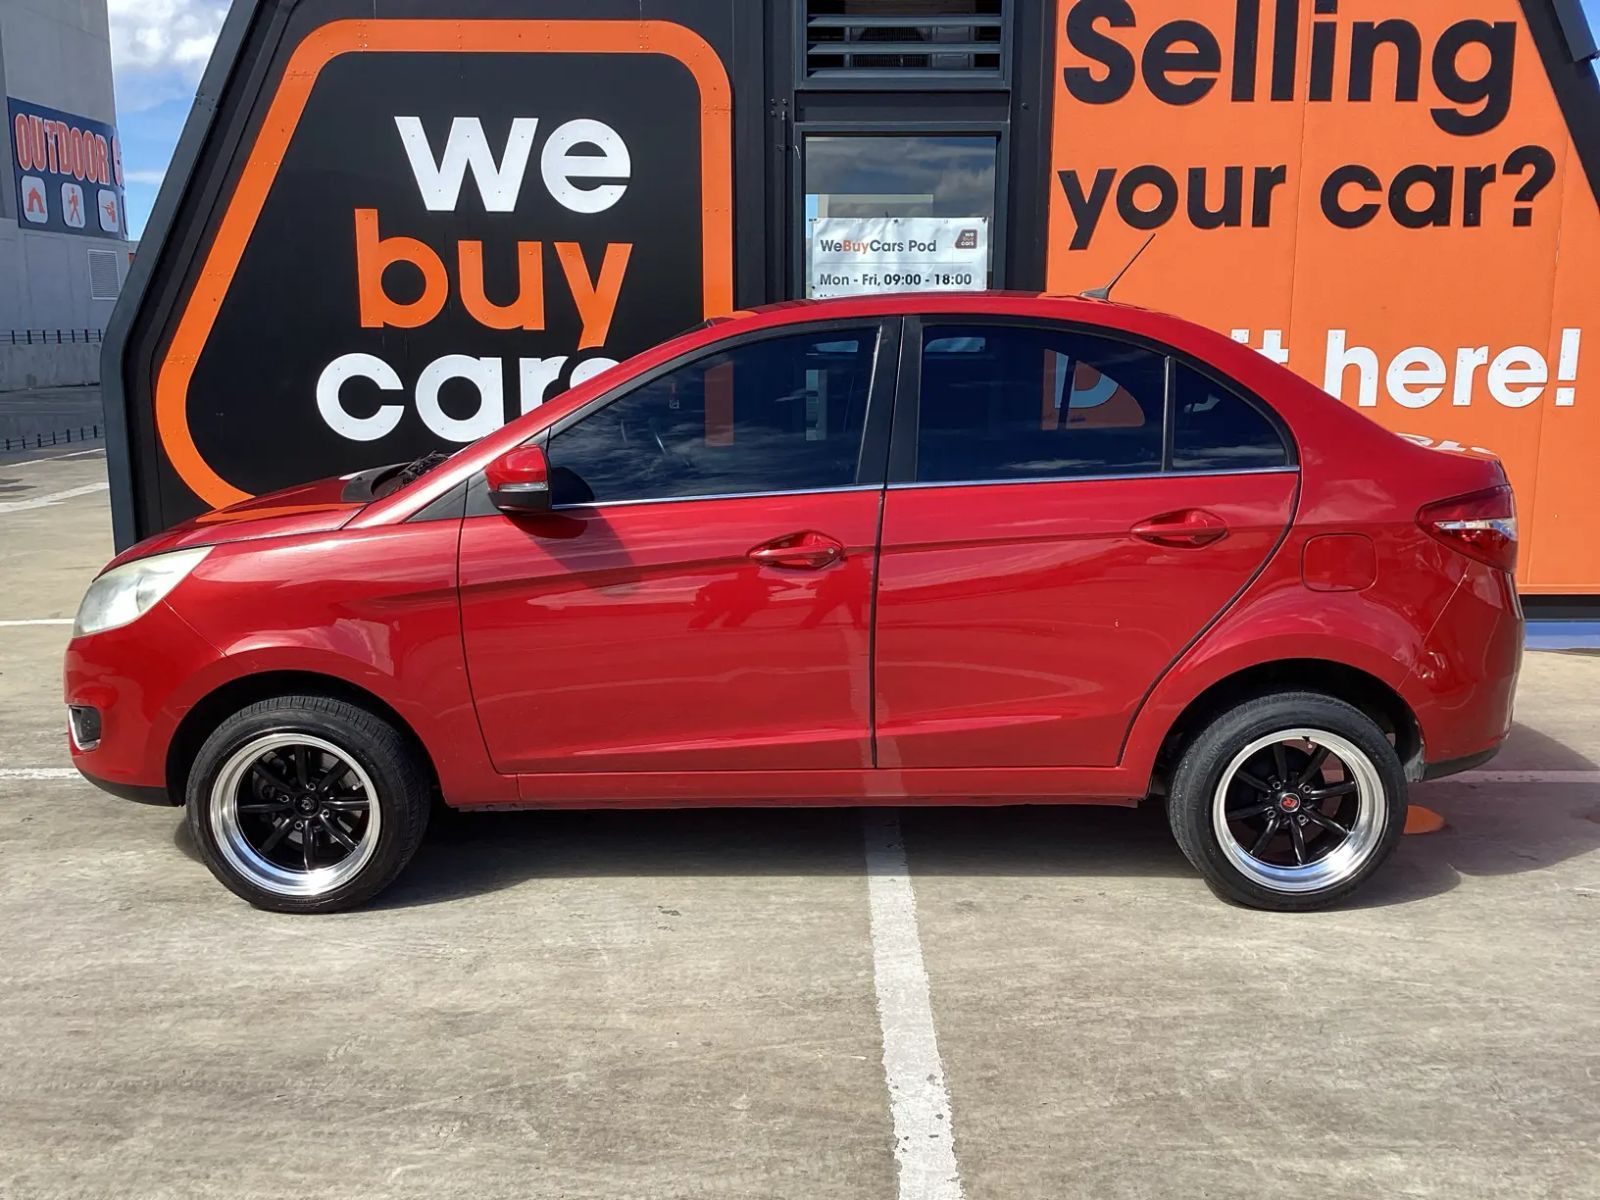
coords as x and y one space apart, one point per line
1423 820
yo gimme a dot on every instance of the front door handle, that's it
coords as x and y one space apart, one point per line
805 551
1188 528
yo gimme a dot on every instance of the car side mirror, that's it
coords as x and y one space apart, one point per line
519 481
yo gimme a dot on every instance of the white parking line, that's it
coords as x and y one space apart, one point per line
40 621
919 1102
45 501
39 773
49 458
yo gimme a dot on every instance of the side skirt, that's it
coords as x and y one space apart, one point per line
741 789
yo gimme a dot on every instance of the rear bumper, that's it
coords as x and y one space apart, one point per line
1454 766
1464 684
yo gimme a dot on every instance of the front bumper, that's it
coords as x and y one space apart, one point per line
158 796
141 679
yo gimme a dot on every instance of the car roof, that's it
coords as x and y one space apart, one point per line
913 303
1108 315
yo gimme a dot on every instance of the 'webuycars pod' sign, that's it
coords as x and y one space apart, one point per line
1385 197
431 226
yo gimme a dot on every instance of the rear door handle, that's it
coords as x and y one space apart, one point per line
1187 527
804 551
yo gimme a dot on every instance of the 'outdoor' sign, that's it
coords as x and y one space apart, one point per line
68 171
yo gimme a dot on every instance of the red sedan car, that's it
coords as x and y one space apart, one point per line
961 549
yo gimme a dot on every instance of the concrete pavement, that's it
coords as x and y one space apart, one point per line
34 411
686 1004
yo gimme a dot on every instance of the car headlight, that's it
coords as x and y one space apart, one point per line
127 592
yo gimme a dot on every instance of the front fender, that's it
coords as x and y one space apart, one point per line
377 609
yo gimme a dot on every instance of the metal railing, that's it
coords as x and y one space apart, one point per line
51 337
58 437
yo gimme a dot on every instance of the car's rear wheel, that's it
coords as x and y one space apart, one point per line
307 804
1289 801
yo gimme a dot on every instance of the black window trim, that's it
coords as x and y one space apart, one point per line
902 473
871 459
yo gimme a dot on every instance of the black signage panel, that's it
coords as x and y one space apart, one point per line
435 226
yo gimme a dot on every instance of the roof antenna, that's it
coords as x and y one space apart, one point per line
1104 293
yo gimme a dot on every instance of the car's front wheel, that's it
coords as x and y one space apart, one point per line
1288 801
307 804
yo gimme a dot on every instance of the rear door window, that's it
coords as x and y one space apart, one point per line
1003 402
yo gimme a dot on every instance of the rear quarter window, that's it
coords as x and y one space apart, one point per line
1215 429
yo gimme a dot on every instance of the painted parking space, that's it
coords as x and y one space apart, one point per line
931 1004
55 534
584 1005
1110 1029
546 1004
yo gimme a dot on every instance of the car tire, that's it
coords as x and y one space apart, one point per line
306 804
1269 828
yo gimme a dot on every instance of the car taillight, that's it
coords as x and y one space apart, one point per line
1482 525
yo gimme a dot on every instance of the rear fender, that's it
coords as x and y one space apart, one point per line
1292 623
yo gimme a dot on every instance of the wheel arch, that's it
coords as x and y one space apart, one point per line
228 698
1354 686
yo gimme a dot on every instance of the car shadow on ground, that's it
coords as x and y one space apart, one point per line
1490 830
476 852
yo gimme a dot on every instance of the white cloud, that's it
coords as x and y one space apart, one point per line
153 178
160 47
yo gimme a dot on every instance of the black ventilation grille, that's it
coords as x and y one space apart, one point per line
846 38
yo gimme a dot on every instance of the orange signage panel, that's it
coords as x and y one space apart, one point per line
1387 198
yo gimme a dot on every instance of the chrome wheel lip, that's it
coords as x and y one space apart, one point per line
1346 860
254 866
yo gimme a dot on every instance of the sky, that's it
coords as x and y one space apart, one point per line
158 50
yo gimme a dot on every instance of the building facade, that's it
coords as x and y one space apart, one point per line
63 242
394 225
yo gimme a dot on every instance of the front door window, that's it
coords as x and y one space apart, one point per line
781 415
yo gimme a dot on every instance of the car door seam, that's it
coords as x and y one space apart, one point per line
872 637
1266 561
